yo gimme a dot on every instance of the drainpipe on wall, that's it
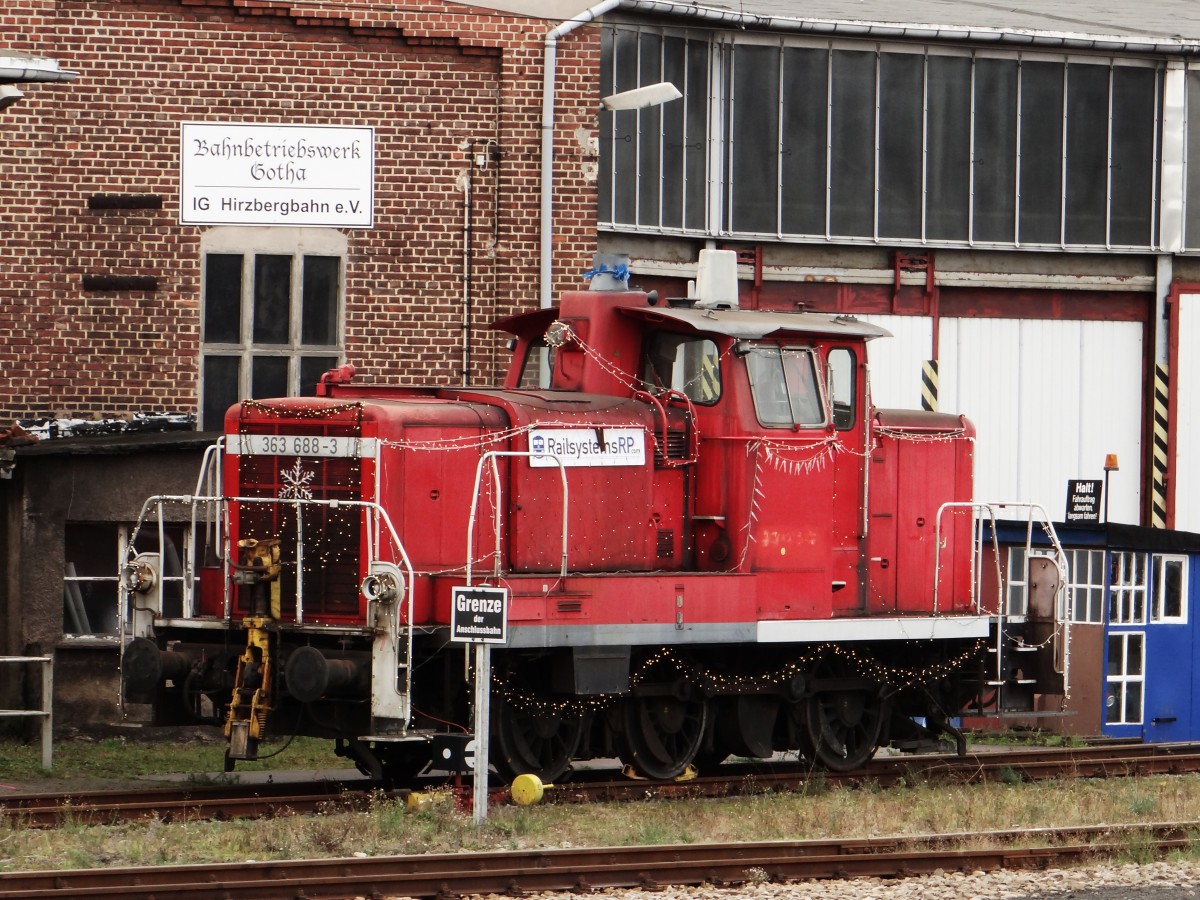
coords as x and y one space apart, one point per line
547 211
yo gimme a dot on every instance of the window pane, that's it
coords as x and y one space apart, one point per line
1041 152
1116 655
223 298
995 150
1133 156
1133 703
852 188
272 298
805 113
624 130
650 133
269 377
605 181
1133 655
696 214
220 390
901 157
311 370
688 365
673 123
754 110
949 168
1193 156
842 371
320 300
770 390
1087 153
1171 588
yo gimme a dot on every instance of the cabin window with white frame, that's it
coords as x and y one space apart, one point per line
683 363
1126 679
784 383
1017 593
1127 588
1170 589
271 317
94 554
1086 571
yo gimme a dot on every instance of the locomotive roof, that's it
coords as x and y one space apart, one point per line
756 323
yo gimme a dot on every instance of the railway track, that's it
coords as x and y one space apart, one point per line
458 874
198 801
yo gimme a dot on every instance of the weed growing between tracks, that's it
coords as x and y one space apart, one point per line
922 806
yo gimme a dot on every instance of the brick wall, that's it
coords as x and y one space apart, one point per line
428 77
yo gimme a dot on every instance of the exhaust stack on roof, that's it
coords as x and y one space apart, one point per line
716 280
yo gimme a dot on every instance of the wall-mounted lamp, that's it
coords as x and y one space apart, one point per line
640 98
9 94
1110 466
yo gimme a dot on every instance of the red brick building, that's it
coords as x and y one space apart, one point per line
104 290
111 306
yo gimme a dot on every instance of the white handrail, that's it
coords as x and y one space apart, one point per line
490 458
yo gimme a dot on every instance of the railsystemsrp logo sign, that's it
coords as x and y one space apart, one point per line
587 447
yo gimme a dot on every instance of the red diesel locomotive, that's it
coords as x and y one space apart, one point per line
709 544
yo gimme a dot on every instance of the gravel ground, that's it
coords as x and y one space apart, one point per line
1155 881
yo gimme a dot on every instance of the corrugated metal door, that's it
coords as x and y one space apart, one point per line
896 361
1187 423
1050 398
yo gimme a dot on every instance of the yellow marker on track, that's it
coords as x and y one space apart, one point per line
527 790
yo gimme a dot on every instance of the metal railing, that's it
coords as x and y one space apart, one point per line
46 712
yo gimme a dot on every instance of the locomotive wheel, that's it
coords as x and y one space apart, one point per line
662 730
534 739
842 721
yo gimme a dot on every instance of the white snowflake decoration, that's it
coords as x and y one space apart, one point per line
295 483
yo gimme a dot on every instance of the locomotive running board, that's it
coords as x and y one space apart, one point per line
905 628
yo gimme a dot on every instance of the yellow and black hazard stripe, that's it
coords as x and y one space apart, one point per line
1158 481
929 385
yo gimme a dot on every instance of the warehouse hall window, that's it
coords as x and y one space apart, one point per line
272 312
805 138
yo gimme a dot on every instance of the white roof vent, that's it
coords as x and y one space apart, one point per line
716 280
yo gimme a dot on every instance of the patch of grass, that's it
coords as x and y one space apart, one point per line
388 827
129 758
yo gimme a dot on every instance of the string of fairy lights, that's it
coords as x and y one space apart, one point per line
792 457
711 682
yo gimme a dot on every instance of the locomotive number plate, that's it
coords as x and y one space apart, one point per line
302 445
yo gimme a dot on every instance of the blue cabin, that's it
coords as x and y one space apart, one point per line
1135 609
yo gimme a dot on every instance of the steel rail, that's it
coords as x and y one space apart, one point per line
514 872
198 801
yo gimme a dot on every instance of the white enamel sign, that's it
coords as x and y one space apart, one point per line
587 447
233 174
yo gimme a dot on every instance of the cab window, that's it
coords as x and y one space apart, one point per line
784 383
678 362
841 387
535 370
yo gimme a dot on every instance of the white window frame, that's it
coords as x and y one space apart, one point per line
250 243
1118 685
1127 589
1161 560
1084 583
